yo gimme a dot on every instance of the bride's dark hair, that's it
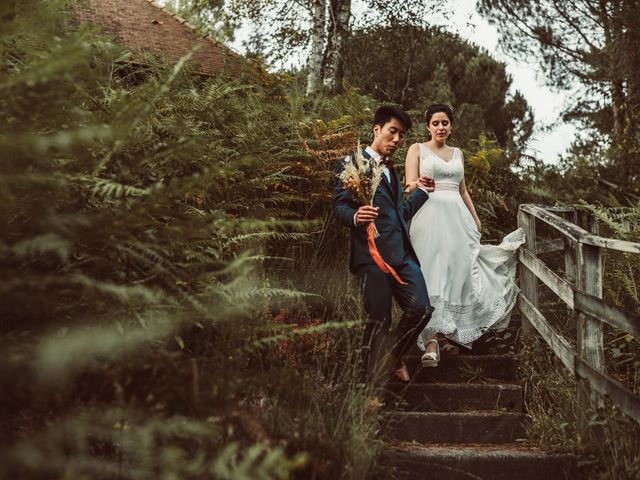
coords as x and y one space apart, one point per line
438 107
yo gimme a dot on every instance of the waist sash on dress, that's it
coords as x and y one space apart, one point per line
445 186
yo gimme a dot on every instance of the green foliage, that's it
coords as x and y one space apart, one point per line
550 397
493 185
143 446
433 66
144 212
161 235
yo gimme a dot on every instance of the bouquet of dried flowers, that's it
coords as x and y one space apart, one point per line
362 177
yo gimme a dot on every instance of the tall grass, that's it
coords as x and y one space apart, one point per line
144 331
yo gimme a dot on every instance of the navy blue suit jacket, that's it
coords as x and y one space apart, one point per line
393 215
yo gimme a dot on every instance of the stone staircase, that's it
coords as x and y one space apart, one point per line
465 419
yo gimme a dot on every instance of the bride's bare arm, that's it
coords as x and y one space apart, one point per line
466 198
412 168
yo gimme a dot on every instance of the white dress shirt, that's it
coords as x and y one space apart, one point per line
378 158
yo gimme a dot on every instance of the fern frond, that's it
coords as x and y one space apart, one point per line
258 462
295 332
58 356
281 236
102 187
46 243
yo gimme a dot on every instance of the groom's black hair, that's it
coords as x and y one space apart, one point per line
386 113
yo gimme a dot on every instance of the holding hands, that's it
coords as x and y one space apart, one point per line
427 182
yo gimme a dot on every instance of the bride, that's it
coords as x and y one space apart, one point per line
471 286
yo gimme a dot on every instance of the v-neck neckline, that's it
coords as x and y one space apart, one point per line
438 156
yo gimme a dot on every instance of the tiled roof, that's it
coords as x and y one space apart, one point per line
145 27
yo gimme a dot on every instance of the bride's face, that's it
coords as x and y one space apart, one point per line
439 127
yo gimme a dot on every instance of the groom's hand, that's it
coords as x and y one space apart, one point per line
366 214
427 182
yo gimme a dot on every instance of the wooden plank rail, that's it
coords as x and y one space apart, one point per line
560 346
559 286
566 228
581 290
615 316
611 244
578 234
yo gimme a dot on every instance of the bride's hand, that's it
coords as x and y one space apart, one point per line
479 226
410 186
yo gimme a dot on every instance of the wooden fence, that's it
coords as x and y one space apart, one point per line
581 290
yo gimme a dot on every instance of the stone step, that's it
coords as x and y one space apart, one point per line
466 368
450 397
486 462
457 427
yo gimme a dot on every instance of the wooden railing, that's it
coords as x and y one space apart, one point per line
581 289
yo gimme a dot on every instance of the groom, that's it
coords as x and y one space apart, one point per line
383 349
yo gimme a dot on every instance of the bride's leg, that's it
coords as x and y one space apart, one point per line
431 356
430 347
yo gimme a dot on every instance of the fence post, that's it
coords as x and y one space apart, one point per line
570 249
590 337
570 259
528 280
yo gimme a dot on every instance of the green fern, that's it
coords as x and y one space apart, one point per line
258 462
145 213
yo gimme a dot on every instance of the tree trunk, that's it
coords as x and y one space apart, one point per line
630 141
618 73
609 18
632 63
340 15
318 42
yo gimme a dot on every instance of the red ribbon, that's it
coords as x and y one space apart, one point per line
377 258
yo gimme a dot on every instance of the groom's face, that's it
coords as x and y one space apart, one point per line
388 138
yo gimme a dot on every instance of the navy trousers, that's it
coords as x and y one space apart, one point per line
378 289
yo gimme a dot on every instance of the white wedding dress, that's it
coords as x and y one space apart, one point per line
471 286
